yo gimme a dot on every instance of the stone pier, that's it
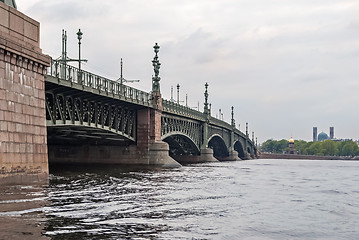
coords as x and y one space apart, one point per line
23 148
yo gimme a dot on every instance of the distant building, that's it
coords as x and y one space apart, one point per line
331 132
291 146
322 136
315 134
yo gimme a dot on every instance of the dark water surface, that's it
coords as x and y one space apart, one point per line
258 199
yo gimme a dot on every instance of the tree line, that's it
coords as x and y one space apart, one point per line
325 148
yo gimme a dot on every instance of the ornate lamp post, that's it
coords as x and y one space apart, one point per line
178 88
79 37
233 121
172 100
206 110
156 67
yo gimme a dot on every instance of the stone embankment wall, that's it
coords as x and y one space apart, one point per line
297 156
23 142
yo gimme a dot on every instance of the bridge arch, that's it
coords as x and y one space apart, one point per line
85 113
180 144
238 146
217 143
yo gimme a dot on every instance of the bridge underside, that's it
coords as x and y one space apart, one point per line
80 135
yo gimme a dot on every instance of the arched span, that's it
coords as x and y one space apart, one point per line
220 150
80 135
240 149
77 112
180 144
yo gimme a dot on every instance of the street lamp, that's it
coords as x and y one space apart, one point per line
156 67
178 87
79 37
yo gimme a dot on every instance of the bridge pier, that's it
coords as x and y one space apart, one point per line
206 155
23 149
233 156
152 150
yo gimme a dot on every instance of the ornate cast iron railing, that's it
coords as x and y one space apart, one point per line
65 72
172 107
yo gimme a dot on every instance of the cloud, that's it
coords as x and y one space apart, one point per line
68 11
273 60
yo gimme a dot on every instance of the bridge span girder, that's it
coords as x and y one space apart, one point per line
89 114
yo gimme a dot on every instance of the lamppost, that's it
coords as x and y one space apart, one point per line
79 37
178 88
206 111
233 123
156 67
172 100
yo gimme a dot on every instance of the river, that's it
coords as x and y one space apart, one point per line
255 199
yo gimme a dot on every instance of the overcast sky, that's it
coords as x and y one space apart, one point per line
285 65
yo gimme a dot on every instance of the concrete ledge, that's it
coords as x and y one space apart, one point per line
23 179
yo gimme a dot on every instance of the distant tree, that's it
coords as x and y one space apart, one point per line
315 148
268 146
300 146
329 148
281 146
348 148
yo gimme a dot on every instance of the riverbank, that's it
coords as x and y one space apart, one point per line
307 157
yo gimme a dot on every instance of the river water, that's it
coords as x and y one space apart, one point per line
256 199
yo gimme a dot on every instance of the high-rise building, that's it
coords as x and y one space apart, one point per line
331 132
315 134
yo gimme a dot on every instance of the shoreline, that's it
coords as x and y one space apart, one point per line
304 157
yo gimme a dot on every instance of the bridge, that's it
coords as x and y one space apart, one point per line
85 111
51 111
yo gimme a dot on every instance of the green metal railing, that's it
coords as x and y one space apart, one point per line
172 107
65 72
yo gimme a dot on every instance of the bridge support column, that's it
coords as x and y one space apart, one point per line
233 156
152 149
207 155
23 143
206 152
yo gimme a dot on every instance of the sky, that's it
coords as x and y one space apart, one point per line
285 65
